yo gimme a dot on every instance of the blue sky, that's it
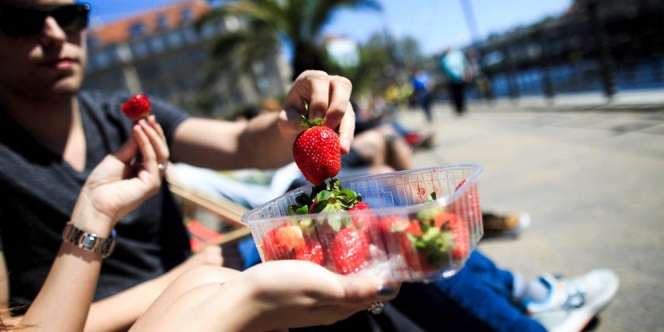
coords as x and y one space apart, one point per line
434 23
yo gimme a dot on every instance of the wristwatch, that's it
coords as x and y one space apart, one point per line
89 241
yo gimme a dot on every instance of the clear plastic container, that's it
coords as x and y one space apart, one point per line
404 236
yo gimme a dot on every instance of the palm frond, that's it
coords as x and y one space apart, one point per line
324 10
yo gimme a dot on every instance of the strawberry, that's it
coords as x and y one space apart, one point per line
414 228
460 236
359 206
137 107
317 153
415 260
349 250
312 251
361 215
283 242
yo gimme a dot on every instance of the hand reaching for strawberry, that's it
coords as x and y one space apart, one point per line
318 95
324 102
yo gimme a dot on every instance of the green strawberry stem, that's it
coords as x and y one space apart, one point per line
307 123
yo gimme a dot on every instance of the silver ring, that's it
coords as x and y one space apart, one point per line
376 307
162 167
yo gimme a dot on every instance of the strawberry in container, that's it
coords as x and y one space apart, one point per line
408 237
428 240
346 242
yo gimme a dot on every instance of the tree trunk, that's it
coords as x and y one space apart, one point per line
307 56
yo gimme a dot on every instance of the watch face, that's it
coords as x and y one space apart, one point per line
88 241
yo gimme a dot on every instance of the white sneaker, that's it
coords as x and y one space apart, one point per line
573 302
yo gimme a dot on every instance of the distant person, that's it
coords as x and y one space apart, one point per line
454 66
420 82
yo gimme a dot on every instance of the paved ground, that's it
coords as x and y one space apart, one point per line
593 183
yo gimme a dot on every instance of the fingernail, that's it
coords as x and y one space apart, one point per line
386 291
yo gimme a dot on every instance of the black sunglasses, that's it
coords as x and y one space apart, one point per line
29 21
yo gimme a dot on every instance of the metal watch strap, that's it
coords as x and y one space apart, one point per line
89 241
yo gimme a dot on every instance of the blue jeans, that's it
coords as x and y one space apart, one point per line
477 298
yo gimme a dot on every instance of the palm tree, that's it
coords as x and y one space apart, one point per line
264 23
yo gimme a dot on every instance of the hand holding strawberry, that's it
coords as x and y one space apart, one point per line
317 95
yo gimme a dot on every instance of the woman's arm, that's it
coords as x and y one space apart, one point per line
114 188
270 296
121 310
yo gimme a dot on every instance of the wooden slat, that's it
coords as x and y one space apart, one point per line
227 210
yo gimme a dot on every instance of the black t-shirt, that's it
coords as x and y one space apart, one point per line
39 190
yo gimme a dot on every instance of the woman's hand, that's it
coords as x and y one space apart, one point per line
327 97
291 294
116 186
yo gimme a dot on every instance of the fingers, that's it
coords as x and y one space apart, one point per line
290 122
347 129
340 90
156 139
153 122
148 153
360 290
327 97
319 98
127 151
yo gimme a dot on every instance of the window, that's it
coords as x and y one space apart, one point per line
93 42
137 30
157 44
186 15
174 39
209 30
139 49
162 22
102 59
190 35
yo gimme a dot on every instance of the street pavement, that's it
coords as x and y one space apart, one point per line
593 182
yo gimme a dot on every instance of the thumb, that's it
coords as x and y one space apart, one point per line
360 289
290 121
127 151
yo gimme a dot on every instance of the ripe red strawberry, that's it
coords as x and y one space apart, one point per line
414 228
393 224
349 250
361 216
416 261
359 206
317 153
312 251
137 107
283 242
460 236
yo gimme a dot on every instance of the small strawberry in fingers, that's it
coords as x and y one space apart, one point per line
317 152
137 107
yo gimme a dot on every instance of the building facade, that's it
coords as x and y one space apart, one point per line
164 53
596 45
